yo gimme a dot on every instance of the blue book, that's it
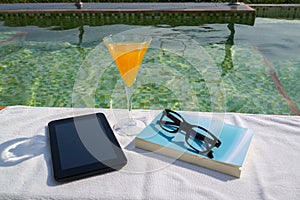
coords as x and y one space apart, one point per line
228 157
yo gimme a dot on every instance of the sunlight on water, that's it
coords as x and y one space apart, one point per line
41 68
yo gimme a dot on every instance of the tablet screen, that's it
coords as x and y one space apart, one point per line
83 142
83 146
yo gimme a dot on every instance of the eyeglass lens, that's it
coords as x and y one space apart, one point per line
199 139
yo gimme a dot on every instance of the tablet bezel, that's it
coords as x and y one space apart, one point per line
87 169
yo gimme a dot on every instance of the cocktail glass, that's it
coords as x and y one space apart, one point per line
128 52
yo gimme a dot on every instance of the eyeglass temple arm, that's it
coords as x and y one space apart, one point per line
210 155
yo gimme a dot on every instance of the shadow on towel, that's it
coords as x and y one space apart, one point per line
19 150
16 151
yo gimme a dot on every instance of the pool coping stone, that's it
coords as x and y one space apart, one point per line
126 7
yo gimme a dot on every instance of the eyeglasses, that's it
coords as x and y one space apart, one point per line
197 137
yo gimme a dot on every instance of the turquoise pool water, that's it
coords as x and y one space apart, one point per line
253 69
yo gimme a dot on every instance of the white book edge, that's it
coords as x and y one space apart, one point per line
190 158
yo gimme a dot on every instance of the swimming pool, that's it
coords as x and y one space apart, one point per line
253 69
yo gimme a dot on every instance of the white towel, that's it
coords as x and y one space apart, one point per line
271 169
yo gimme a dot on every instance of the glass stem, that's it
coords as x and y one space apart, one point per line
129 93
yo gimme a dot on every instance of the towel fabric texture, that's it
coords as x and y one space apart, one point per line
271 169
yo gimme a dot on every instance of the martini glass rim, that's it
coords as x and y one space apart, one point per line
127 39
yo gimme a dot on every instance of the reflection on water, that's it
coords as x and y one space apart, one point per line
227 63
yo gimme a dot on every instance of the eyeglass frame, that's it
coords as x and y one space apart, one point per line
185 126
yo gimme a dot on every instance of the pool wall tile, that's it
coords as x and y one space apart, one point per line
133 14
286 11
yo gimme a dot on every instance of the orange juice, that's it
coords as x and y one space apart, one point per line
128 57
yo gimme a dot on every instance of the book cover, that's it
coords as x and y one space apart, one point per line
228 157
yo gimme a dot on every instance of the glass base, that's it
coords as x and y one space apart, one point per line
130 127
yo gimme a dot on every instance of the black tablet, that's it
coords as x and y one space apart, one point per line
83 146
